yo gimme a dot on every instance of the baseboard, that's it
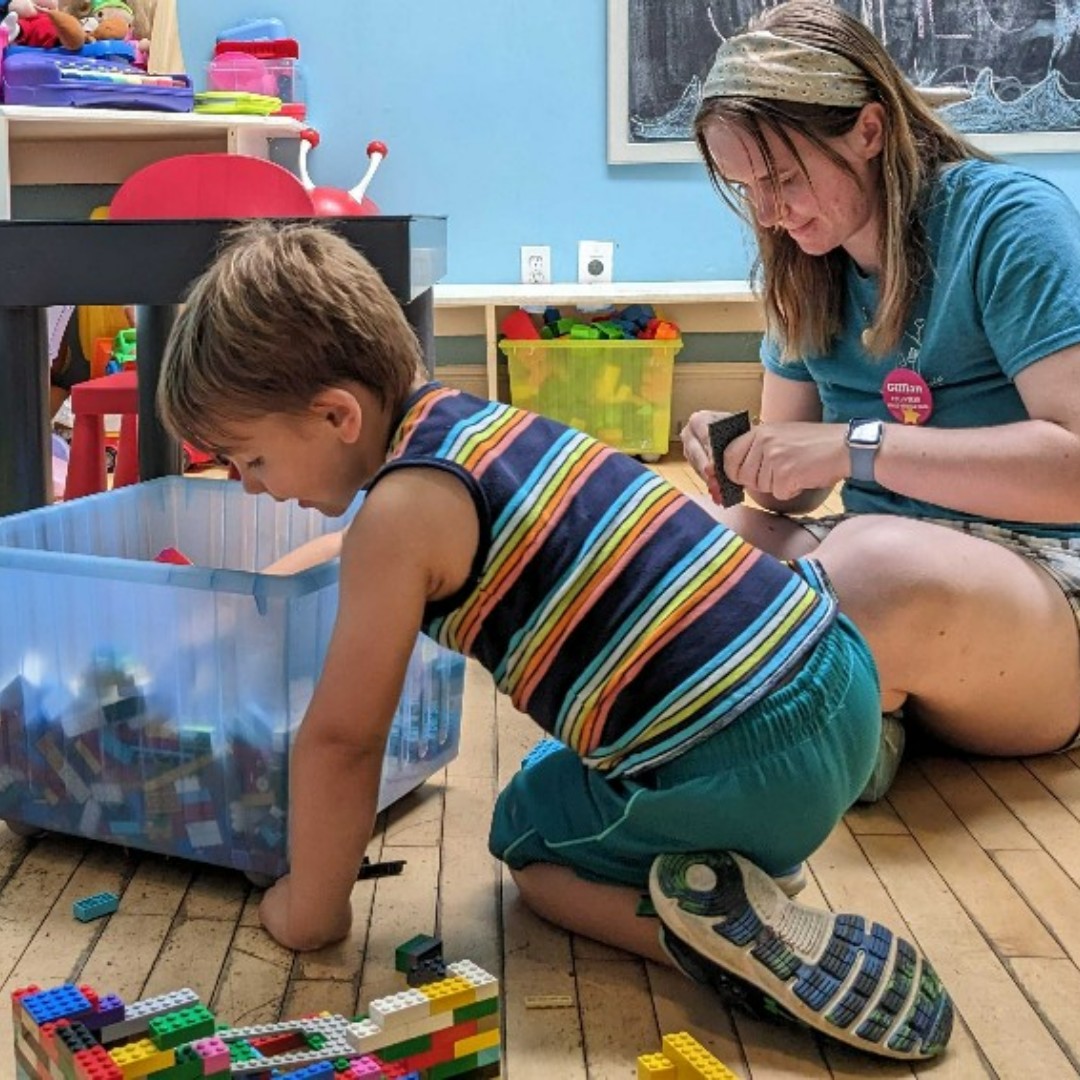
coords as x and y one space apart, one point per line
731 387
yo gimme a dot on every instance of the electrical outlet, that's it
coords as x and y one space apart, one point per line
595 259
535 265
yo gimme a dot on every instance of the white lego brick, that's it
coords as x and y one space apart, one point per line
107 794
368 1038
76 786
90 819
396 1009
424 1025
485 985
204 834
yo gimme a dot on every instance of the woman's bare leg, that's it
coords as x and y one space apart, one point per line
981 640
778 535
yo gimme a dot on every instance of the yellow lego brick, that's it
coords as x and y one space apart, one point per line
92 761
549 1001
179 772
692 1060
448 994
475 1043
136 1059
655 1067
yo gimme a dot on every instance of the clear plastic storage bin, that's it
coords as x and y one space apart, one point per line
154 705
617 391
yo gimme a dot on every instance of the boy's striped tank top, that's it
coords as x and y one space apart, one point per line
610 607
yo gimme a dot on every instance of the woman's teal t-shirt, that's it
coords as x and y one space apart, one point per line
1004 292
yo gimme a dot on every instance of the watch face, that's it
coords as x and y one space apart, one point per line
868 434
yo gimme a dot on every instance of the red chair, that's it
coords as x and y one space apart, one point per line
91 402
210 186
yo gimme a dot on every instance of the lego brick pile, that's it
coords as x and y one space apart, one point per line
104 760
446 1024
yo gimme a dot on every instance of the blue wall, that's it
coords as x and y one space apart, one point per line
495 114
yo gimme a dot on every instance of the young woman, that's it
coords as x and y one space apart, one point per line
923 348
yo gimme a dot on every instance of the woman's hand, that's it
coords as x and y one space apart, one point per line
697 448
785 460
281 924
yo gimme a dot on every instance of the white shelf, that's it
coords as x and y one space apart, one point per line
39 123
619 292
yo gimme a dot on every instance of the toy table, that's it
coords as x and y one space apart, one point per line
149 264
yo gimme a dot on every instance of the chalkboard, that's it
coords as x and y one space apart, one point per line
1002 67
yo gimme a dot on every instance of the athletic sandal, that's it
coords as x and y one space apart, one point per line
727 924
890 754
792 881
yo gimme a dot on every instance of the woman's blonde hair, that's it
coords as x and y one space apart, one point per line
804 294
284 312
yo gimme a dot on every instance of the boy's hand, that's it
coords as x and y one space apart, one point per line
276 917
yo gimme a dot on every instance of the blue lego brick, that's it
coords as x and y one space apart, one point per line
322 1070
94 907
65 1001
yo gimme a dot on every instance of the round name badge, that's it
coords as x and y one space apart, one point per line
907 396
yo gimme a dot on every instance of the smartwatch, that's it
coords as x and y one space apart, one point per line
863 442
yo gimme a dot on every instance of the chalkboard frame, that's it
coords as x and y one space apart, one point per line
623 150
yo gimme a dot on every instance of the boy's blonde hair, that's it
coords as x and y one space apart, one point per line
804 294
284 312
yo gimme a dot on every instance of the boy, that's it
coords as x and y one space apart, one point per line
709 697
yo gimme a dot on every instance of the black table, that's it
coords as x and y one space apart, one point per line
149 264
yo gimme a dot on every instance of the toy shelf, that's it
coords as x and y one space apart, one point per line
496 300
105 146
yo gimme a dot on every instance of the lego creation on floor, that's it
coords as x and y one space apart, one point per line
444 1028
682 1057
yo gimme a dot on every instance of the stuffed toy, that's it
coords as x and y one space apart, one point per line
33 22
98 20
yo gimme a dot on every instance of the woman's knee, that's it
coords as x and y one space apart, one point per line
885 566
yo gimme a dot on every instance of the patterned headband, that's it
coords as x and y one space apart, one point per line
759 64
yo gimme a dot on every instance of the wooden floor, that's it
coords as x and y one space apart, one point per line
978 860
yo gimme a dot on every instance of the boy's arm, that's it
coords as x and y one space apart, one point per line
321 549
413 540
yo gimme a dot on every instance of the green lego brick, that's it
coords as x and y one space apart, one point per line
476 1010
188 1066
453 1068
421 947
417 1045
174 1029
241 1052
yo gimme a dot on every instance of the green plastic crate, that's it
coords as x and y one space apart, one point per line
617 391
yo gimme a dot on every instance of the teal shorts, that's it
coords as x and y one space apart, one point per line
770 786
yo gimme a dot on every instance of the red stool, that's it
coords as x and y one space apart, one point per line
91 402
